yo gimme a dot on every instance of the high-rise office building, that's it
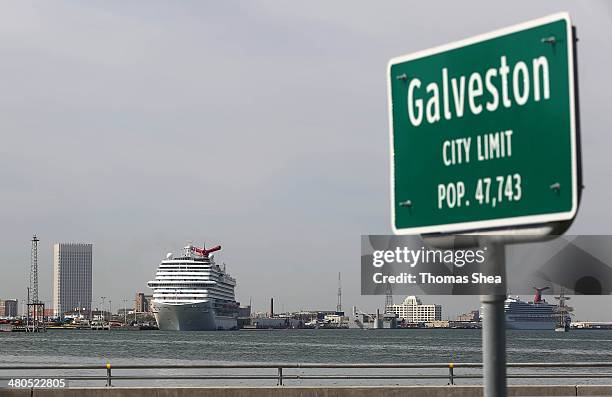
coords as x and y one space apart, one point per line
142 303
71 277
10 307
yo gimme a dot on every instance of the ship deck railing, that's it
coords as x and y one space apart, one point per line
281 373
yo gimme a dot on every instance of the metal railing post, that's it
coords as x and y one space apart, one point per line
451 375
108 375
280 376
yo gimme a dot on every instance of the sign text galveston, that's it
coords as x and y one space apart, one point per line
483 131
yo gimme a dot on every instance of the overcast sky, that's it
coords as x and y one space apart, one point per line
259 125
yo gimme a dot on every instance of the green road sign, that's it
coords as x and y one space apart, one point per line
483 131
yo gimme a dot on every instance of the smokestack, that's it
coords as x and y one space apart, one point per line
271 307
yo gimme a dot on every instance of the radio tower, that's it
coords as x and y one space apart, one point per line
339 305
34 270
36 308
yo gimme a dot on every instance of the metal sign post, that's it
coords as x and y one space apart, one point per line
494 345
494 328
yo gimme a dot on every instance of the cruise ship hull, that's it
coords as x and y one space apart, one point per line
191 317
530 325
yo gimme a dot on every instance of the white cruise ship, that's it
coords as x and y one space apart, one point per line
192 293
538 314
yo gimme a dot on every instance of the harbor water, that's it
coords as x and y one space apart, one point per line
300 346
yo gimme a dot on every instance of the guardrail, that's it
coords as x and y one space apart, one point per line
281 376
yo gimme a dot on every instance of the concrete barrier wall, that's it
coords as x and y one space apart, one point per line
288 391
593 390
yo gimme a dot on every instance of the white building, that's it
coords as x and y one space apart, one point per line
336 321
413 311
71 277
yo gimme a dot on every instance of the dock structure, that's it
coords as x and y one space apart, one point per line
36 320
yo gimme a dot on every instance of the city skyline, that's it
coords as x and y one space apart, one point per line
258 126
139 298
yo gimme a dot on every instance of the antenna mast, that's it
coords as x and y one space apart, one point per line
34 270
339 305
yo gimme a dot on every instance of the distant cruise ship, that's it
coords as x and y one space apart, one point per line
192 293
538 314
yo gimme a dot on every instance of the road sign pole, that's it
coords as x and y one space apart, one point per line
494 328
465 169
